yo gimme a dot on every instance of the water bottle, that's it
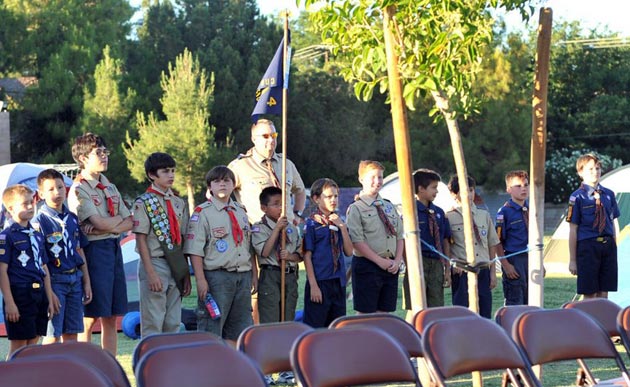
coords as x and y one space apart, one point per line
212 307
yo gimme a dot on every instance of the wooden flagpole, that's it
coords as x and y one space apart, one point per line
283 239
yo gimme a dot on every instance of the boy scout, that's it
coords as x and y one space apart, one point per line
266 242
376 231
593 213
104 216
159 219
486 245
218 242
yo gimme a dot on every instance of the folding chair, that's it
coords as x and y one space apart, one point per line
350 357
602 310
269 345
51 371
426 316
147 343
87 353
396 327
211 364
623 327
605 313
505 317
462 345
547 336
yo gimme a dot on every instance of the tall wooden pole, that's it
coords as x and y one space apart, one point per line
283 239
537 165
403 161
537 161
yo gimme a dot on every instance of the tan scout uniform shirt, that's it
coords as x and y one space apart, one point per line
364 225
488 234
252 176
85 200
142 223
261 233
209 221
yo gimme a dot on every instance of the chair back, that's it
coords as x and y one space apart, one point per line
396 327
506 315
88 353
211 364
561 334
601 310
350 357
51 371
269 345
461 345
623 326
147 343
426 316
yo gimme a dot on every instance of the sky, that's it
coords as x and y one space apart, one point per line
591 13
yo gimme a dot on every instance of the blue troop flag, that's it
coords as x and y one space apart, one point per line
269 92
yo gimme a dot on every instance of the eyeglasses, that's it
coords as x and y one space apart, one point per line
101 152
267 136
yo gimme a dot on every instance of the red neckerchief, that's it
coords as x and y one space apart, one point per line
176 235
108 197
237 232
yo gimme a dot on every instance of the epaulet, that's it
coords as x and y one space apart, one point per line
202 206
244 155
387 200
240 205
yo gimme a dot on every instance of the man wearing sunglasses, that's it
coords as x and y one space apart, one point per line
261 167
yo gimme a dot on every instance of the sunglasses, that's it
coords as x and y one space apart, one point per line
267 136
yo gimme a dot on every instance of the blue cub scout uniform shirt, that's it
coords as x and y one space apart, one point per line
318 241
511 226
15 246
425 232
582 211
52 225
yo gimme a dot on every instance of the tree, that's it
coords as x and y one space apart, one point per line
588 94
185 133
63 40
423 47
108 113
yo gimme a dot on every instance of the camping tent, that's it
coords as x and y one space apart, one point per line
557 250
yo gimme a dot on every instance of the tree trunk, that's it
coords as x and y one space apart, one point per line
442 103
403 160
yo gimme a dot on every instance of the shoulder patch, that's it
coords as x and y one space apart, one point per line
201 206
572 199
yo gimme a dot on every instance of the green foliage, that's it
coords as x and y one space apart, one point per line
108 113
185 133
438 44
329 131
588 95
59 43
562 179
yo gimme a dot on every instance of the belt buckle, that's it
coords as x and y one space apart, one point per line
601 239
287 269
36 285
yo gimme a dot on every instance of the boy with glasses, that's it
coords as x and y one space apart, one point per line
103 216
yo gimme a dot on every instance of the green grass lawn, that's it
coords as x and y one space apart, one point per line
558 290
